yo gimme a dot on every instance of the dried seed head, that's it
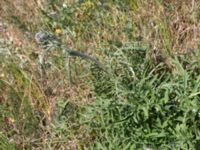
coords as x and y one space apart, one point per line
40 36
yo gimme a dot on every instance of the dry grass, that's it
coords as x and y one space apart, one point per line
166 28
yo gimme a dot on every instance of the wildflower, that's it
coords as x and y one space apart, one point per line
58 31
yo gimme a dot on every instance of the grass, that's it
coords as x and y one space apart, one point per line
148 99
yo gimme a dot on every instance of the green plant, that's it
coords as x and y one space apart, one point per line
158 110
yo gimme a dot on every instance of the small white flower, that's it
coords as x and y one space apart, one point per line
64 5
194 110
2 75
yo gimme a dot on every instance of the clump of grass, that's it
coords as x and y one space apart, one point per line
158 109
24 106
